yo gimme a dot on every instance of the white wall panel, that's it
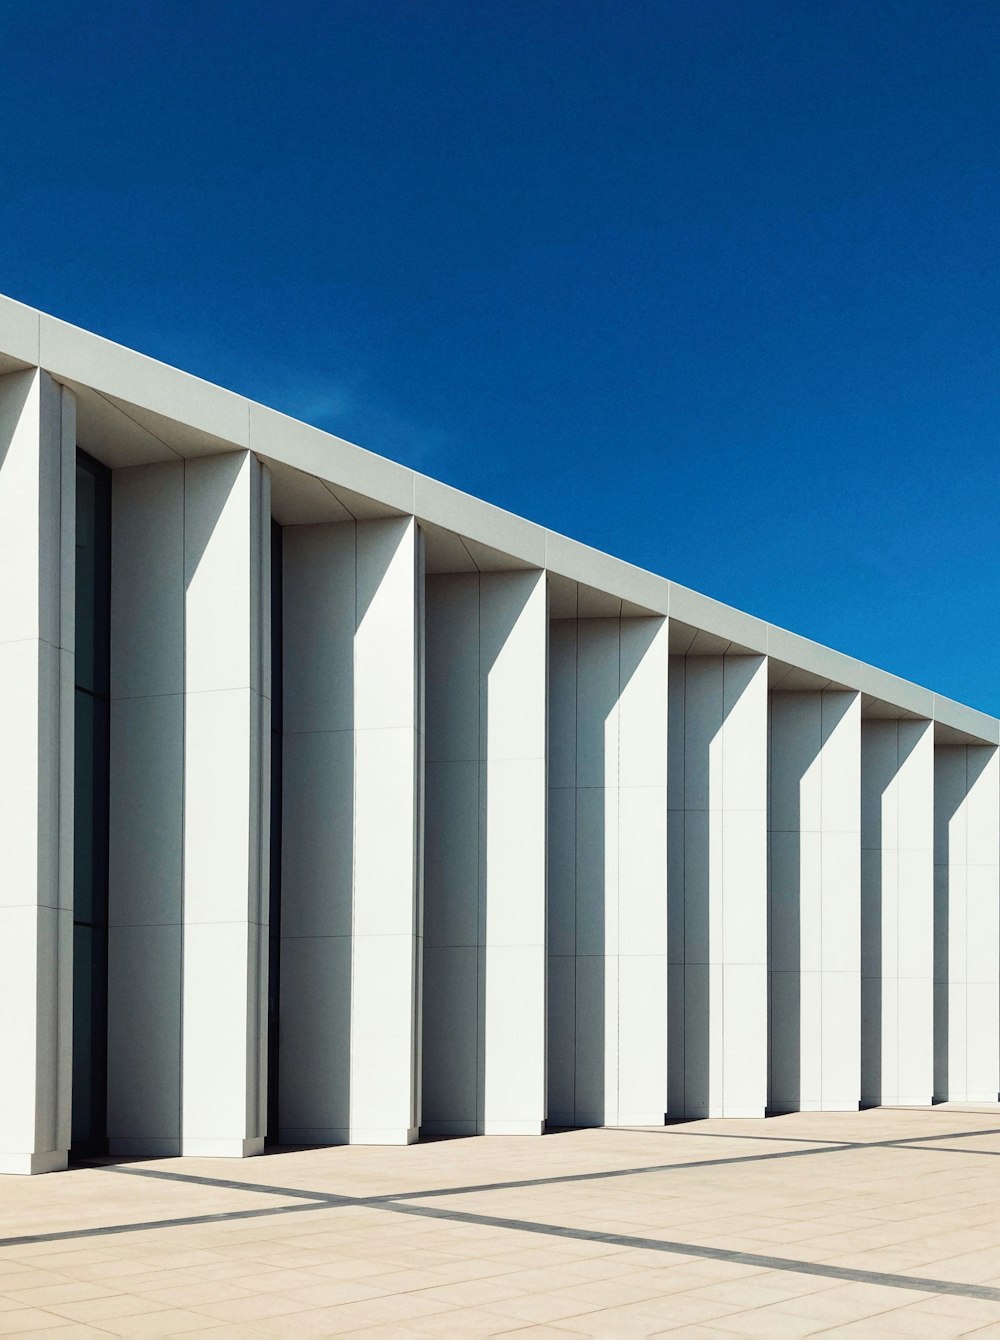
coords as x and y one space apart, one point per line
607 929
453 864
317 858
146 817
484 968
144 1037
37 505
351 878
815 901
897 906
966 923
718 886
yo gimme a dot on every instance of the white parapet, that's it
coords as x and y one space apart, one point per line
966 923
484 956
718 886
814 887
897 912
607 864
37 504
351 870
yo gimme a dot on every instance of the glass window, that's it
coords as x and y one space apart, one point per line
274 900
90 838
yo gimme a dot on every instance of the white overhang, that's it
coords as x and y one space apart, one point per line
134 410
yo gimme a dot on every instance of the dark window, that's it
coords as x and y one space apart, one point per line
92 746
274 895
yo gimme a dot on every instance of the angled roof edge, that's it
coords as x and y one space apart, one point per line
208 417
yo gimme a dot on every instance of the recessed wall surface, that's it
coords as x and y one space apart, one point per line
485 834
607 884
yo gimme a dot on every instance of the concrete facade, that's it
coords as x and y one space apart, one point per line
416 817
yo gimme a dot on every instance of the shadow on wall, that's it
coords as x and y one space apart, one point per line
704 693
957 769
591 666
583 690
328 590
17 388
885 747
470 761
801 726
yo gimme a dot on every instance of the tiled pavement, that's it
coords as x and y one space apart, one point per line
881 1223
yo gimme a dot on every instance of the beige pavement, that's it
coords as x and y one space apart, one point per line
882 1223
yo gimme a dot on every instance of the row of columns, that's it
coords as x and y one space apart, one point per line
532 869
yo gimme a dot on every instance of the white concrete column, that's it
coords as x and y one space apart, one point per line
966 923
814 917
607 961
388 748
484 960
226 772
146 815
37 523
897 912
718 886
351 868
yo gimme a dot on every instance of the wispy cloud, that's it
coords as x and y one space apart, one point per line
358 413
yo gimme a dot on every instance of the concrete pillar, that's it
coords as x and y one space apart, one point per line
718 886
484 958
37 506
966 923
388 749
814 888
351 860
897 912
226 804
146 815
188 854
607 942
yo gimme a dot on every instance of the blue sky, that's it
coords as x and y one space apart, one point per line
712 286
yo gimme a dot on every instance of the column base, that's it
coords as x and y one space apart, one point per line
222 1149
716 1113
368 1135
976 1098
824 1105
513 1127
724 1113
320 1136
25 1165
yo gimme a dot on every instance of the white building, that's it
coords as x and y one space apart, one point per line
336 805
